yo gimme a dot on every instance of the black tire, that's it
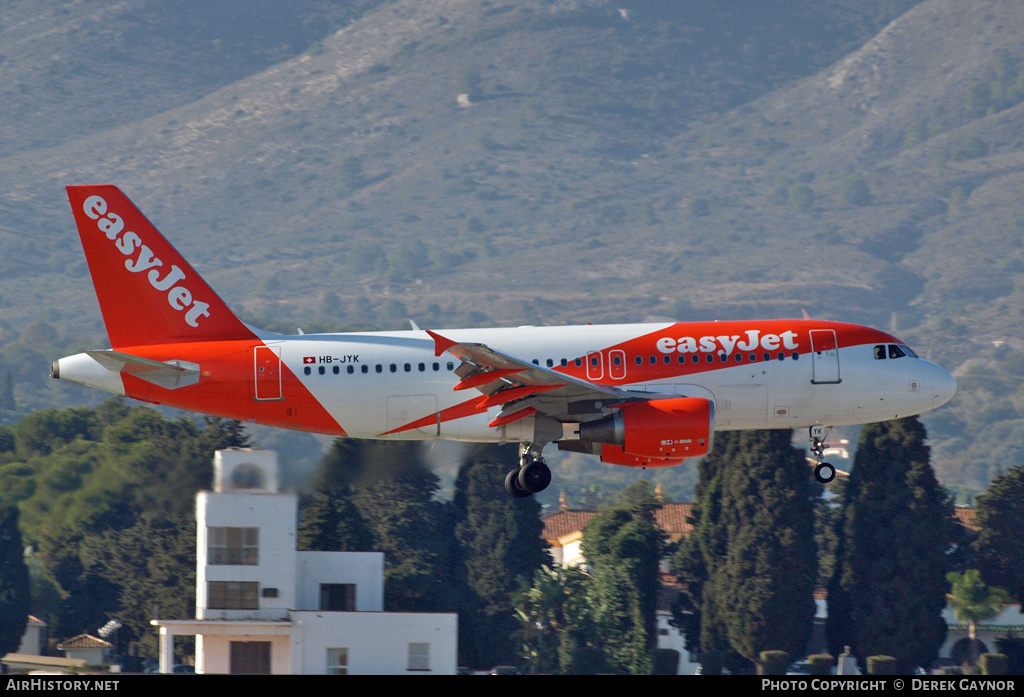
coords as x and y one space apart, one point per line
534 476
824 472
512 485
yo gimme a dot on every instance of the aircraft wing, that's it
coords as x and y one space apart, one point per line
523 388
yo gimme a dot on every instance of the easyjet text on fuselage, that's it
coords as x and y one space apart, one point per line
750 340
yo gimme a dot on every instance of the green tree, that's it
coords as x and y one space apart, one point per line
999 548
855 191
889 588
96 475
827 524
623 546
159 561
330 522
499 543
7 401
695 611
974 602
554 618
393 491
14 583
749 567
770 567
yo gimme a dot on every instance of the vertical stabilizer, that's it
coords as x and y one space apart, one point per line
147 292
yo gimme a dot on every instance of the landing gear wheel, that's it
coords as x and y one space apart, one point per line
534 476
512 485
824 472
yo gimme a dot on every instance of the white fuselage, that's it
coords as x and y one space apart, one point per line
373 383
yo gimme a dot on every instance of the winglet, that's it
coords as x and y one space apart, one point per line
441 344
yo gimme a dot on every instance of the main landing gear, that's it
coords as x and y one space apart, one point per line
531 477
824 472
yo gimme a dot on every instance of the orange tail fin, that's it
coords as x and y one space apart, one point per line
147 292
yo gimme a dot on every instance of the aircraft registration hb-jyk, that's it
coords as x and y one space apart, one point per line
639 395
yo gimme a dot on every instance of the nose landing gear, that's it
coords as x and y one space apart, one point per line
531 477
824 472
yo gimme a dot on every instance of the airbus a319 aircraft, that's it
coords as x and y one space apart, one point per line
638 395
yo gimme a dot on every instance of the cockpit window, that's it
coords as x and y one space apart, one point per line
882 351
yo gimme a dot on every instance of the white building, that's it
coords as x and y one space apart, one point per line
34 638
956 650
264 607
88 648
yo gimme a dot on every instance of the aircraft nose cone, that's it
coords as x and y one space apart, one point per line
943 386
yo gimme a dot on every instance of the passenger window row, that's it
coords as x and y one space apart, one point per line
680 358
380 368
578 362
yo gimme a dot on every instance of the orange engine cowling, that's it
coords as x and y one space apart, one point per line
655 433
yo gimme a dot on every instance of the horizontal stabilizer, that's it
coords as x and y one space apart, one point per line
169 375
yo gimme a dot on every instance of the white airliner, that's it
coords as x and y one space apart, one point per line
639 395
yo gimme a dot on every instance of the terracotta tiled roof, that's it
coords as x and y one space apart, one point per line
561 523
85 641
671 518
965 516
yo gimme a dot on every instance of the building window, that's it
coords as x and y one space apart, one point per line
233 546
338 597
232 595
337 661
419 656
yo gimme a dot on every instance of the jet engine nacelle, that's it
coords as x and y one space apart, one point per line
654 433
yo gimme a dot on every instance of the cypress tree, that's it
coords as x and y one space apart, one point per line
889 588
999 549
750 564
14 583
330 522
499 541
623 546
697 562
393 491
771 562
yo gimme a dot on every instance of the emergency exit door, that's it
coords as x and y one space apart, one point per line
825 356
